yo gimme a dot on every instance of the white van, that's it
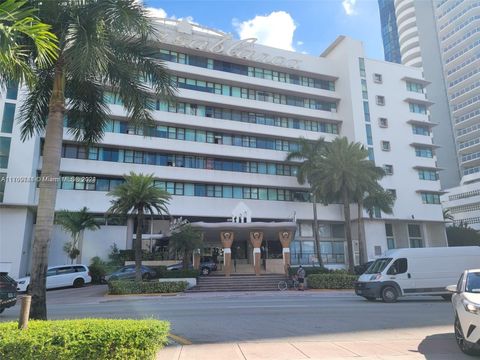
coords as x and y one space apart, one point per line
419 271
60 276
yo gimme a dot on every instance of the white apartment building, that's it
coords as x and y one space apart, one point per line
222 145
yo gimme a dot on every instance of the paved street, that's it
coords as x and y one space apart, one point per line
289 325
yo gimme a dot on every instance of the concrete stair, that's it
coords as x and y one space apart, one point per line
213 283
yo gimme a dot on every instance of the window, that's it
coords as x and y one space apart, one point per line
377 78
421 130
431 175
388 169
383 122
2 185
8 116
399 266
390 237
380 100
424 152
368 129
418 108
371 154
430 198
415 236
411 86
386 145
4 151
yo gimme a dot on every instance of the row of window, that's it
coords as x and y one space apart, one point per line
460 26
463 12
418 108
253 94
207 63
235 115
464 195
464 77
472 170
421 130
468 102
415 87
469 143
203 136
425 152
465 208
468 130
464 50
450 8
471 156
428 175
462 66
430 198
366 108
187 161
191 189
414 236
467 116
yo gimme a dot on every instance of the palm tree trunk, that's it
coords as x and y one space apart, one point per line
47 196
315 230
80 246
186 261
348 229
361 241
138 246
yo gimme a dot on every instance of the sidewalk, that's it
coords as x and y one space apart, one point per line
431 349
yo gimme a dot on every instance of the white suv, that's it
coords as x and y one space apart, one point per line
60 276
466 304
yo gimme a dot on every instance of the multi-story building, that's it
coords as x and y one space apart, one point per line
220 149
388 21
420 47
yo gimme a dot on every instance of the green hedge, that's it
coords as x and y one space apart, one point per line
162 272
309 270
119 287
340 280
83 339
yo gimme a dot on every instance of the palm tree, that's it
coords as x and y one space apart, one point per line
309 152
76 222
185 241
138 195
447 215
24 40
341 171
103 44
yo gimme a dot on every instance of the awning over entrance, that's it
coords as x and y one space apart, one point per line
256 232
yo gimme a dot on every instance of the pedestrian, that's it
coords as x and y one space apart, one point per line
301 278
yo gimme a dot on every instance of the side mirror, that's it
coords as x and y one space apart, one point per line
452 288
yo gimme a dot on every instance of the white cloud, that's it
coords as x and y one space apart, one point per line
274 30
349 7
299 43
156 12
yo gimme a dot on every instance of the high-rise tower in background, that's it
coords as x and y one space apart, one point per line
443 38
391 46
420 47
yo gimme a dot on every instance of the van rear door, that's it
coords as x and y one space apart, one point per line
399 273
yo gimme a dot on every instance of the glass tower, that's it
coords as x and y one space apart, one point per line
388 20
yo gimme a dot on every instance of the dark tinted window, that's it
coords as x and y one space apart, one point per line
80 269
65 270
398 267
473 283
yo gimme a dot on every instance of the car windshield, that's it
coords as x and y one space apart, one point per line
473 283
378 266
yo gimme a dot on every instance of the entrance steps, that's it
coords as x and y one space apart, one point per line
213 283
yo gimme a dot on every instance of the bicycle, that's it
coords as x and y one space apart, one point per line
288 284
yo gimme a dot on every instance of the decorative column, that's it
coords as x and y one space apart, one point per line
256 238
196 259
226 237
285 238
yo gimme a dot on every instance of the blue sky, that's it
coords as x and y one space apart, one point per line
300 25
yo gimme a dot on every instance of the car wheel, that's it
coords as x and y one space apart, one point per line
466 346
205 271
78 283
389 294
447 297
282 285
370 298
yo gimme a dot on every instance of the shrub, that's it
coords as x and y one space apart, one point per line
98 269
98 339
334 280
309 270
190 273
119 287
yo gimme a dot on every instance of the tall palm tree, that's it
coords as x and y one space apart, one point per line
309 152
342 169
103 44
24 40
76 222
447 215
138 195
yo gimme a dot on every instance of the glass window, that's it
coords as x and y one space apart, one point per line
102 185
12 91
2 185
399 266
8 117
4 151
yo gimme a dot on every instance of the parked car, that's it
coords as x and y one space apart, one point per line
128 273
207 265
8 292
466 307
60 276
360 269
416 271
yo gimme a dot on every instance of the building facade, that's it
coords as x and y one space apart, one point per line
222 145
388 21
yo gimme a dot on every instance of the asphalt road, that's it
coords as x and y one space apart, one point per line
263 316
